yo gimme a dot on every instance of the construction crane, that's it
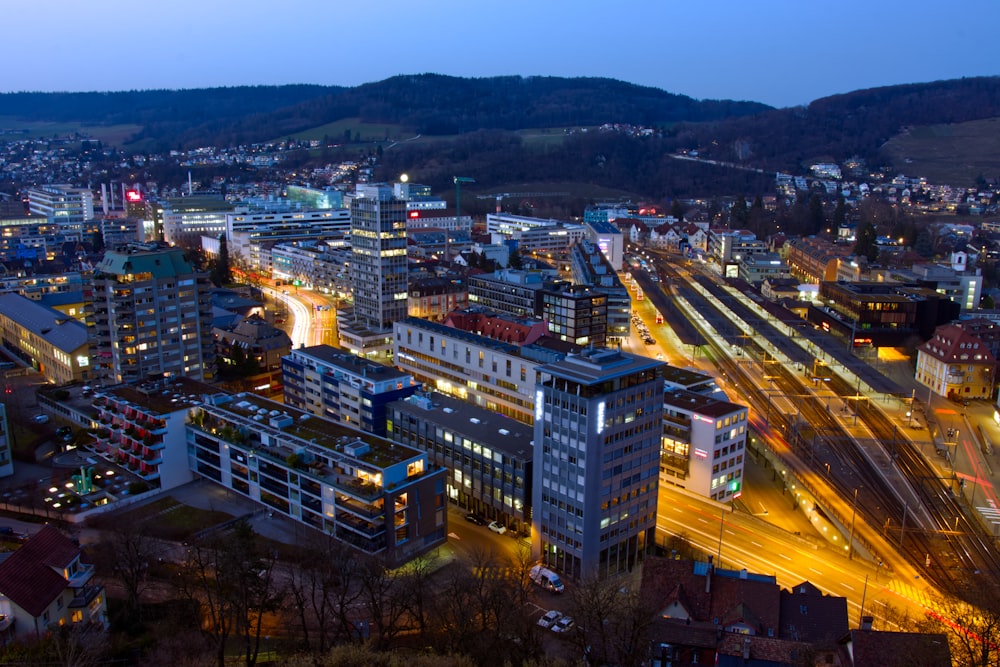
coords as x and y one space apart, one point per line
505 195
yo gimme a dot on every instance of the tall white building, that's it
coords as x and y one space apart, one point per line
62 204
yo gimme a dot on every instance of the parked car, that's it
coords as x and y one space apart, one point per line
564 624
549 618
497 528
40 419
476 519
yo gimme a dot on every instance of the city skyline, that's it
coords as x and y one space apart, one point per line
784 53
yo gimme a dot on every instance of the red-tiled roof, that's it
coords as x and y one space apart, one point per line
29 577
953 344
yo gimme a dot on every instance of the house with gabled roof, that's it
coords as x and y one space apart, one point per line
956 364
709 615
45 584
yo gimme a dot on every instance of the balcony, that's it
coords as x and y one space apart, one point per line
82 597
80 578
365 528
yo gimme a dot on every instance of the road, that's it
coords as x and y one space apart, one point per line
313 315
740 540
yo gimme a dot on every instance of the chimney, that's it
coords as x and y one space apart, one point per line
866 622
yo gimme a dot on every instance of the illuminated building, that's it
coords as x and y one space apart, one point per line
704 443
62 204
343 387
598 426
152 315
52 342
378 271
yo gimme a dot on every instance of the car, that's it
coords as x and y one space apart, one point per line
476 519
549 618
497 528
40 419
564 624
279 320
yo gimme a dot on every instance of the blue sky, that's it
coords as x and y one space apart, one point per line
780 52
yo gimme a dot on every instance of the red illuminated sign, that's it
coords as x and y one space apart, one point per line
414 215
133 195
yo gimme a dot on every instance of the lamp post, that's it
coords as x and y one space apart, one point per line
854 513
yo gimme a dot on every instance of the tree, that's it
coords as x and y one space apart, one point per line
677 209
515 261
129 550
866 244
222 273
323 587
231 580
612 620
738 213
973 628
817 220
840 213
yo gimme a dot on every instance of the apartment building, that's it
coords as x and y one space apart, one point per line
378 272
383 498
152 315
956 364
342 387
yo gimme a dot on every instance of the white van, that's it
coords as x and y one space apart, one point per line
547 579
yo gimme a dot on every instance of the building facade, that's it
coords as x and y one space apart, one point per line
488 456
957 365
378 271
598 425
383 498
46 339
152 315
704 443
342 387
486 372
62 204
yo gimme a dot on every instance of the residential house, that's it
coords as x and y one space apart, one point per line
45 584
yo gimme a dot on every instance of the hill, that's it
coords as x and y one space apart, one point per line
427 104
838 127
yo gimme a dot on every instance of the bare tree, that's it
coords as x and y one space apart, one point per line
972 627
323 587
130 549
612 620
231 580
382 599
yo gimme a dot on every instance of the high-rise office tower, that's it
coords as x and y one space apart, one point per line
598 426
152 316
378 270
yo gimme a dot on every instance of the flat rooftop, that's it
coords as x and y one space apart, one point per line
485 427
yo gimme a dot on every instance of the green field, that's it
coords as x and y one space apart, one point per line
358 129
109 134
953 154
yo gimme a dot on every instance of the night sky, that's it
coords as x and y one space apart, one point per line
780 52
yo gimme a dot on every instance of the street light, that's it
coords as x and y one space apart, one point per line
854 513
